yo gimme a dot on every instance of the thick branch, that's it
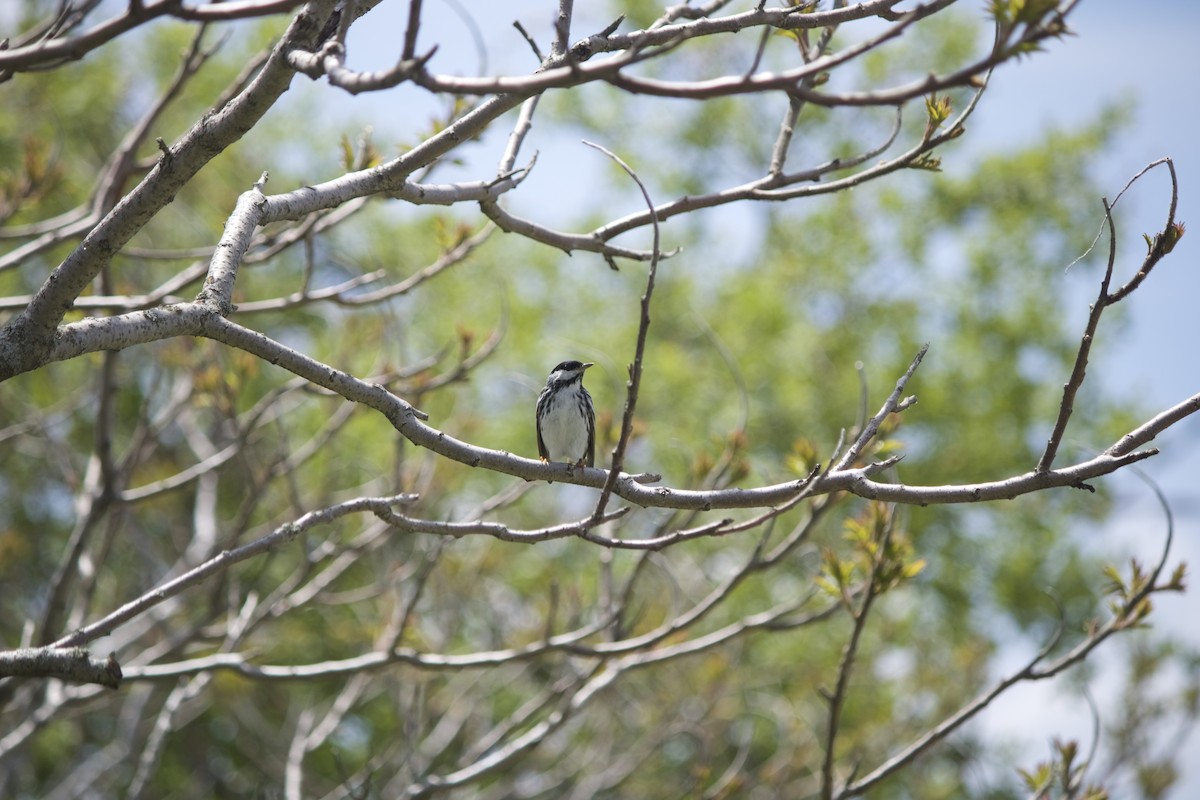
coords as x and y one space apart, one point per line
74 664
26 341
197 319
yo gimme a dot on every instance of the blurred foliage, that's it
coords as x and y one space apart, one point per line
772 332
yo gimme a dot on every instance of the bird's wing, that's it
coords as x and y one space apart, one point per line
542 451
591 443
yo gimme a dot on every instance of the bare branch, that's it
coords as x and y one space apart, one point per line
1037 668
1162 244
635 368
73 664
280 535
27 339
198 320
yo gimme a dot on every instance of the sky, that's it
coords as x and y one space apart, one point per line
1143 55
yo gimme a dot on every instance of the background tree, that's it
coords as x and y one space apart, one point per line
272 450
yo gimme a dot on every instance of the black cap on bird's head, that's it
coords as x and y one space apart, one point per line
567 371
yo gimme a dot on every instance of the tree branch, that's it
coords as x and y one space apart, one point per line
74 664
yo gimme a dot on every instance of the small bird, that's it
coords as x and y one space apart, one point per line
566 421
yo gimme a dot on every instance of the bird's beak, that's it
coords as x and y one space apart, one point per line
588 364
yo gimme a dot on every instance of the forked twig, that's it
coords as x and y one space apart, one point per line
1162 244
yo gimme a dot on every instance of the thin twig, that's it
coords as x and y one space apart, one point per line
635 369
1160 246
562 28
412 30
837 699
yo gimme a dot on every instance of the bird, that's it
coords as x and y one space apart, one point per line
566 421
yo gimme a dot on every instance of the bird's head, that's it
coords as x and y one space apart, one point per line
568 372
